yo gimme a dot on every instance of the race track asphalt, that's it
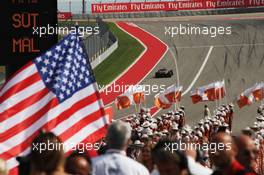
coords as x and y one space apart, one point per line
237 58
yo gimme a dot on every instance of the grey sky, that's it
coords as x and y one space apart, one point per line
76 5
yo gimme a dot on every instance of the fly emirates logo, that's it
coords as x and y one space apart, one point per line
109 7
147 7
184 5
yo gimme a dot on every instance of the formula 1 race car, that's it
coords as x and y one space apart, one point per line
161 73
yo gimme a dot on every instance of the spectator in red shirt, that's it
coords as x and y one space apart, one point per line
224 158
247 152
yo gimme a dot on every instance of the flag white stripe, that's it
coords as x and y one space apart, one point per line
25 113
76 117
163 99
85 132
19 77
50 115
162 96
202 89
22 95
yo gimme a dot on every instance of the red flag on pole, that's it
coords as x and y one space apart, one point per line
134 95
249 95
171 95
211 92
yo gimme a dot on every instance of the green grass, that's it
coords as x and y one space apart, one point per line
128 50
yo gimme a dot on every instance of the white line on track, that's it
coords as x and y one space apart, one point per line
200 71
192 83
226 45
196 76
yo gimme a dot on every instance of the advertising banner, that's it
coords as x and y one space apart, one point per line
64 15
173 5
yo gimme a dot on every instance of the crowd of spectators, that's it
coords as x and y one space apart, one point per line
143 145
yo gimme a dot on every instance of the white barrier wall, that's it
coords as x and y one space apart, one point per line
104 55
170 13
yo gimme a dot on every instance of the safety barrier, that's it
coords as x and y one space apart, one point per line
169 13
104 55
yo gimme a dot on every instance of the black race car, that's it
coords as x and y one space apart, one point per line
161 73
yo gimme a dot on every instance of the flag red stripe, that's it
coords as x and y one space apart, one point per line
23 104
50 125
19 71
92 138
13 152
20 86
123 102
258 94
99 134
196 98
160 104
215 93
29 121
70 111
243 101
26 143
82 123
13 171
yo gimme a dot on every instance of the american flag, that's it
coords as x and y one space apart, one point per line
56 92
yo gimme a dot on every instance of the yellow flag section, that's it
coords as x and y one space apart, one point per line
171 95
134 95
